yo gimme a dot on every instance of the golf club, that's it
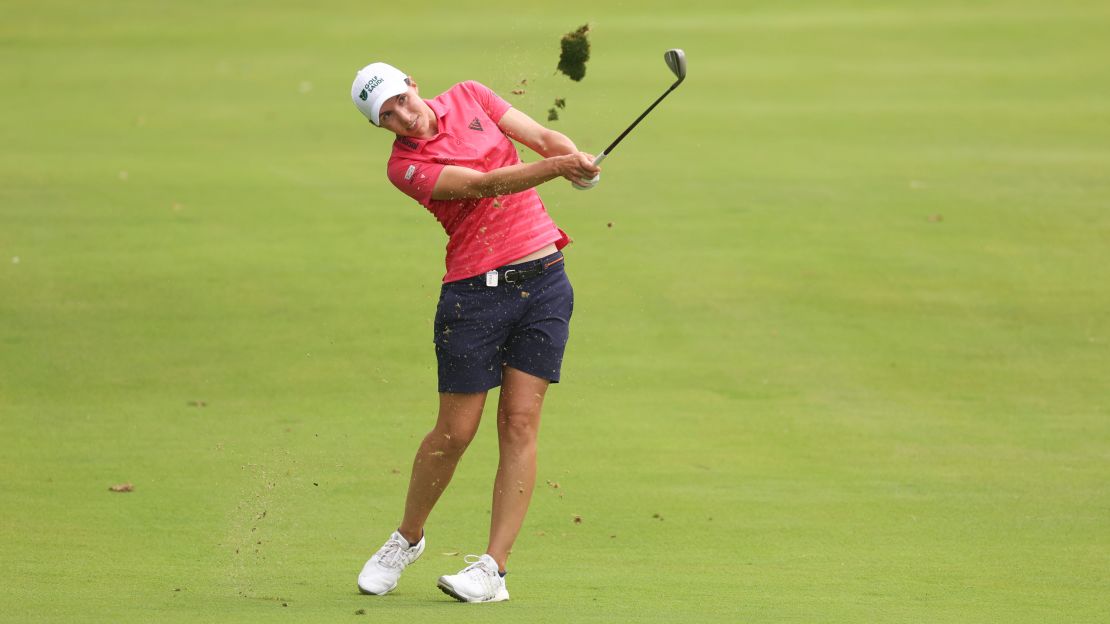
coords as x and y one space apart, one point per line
676 61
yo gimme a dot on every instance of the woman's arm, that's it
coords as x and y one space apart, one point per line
543 141
464 183
561 159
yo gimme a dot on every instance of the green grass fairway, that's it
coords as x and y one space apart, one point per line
841 348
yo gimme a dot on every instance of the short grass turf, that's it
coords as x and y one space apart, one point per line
840 349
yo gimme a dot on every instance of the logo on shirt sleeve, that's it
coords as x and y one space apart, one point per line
476 125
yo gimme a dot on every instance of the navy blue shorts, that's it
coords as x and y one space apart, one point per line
523 323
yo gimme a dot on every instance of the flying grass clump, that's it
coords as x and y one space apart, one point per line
576 51
553 112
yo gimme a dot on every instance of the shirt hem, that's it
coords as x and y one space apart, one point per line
503 259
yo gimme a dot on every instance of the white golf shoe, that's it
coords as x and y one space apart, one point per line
380 574
478 582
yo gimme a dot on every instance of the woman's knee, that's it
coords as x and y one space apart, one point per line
518 428
451 439
459 416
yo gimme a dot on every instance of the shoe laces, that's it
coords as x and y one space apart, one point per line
478 568
391 554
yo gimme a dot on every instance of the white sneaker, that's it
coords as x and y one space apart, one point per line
379 575
478 582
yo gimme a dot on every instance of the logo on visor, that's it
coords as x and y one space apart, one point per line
369 87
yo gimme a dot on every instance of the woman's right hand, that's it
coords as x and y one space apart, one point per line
579 168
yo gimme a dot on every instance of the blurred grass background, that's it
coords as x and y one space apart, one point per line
840 350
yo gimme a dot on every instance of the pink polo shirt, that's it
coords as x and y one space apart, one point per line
483 233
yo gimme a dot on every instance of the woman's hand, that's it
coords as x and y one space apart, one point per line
579 169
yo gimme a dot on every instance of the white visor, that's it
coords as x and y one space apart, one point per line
373 85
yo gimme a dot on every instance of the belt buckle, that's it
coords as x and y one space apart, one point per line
507 274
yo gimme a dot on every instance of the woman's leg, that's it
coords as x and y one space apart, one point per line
518 426
439 453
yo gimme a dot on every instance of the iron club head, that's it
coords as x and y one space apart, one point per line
676 60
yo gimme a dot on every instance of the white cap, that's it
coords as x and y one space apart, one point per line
373 85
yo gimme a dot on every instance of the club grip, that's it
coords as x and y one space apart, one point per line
595 179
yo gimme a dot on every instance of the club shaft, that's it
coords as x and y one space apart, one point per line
638 119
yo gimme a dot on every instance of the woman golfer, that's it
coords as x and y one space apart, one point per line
504 307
